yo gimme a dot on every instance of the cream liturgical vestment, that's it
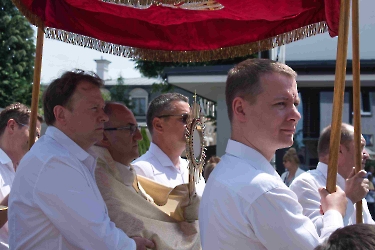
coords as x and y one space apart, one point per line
133 211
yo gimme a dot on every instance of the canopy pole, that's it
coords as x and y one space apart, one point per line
36 85
357 99
338 96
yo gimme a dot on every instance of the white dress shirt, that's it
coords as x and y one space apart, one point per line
246 205
55 202
306 188
7 174
157 166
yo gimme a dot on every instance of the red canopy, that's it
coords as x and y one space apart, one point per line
225 28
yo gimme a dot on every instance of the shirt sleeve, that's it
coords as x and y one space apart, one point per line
140 169
70 202
366 213
277 220
4 191
309 198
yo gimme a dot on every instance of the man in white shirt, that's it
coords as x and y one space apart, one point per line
129 206
14 143
55 202
245 204
166 118
355 185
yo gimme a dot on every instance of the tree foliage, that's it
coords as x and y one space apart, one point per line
144 144
16 56
156 69
118 92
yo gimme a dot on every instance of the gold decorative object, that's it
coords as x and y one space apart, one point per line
195 144
175 4
186 56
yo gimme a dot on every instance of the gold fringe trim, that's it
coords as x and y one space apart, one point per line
33 19
187 56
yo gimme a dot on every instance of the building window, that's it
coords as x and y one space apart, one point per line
139 106
365 103
139 102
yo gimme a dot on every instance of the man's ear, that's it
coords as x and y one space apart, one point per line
60 114
238 108
157 125
11 126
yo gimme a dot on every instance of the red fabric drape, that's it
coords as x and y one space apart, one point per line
163 28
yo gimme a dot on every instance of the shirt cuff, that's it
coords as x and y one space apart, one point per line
349 211
332 220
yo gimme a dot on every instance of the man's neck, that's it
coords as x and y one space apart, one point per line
9 151
77 139
268 154
172 153
340 169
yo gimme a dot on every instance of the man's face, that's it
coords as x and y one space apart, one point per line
175 125
347 161
85 118
123 142
271 121
21 136
365 157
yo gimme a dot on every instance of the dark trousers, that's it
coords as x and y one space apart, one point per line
371 208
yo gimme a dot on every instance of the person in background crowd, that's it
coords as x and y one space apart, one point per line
167 116
355 185
55 202
14 143
210 165
291 163
370 197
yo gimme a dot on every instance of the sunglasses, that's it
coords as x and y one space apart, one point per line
132 128
184 117
37 134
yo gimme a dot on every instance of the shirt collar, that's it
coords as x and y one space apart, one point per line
5 160
256 159
161 156
87 157
323 168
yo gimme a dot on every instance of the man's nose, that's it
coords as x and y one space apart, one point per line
104 117
295 115
137 135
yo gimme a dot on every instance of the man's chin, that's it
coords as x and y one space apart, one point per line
286 143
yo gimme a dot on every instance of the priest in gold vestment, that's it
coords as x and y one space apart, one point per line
172 223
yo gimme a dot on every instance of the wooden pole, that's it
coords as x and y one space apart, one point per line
357 99
338 96
36 85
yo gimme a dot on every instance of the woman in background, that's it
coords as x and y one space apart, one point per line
291 164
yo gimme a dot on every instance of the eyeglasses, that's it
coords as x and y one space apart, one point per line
37 134
132 128
184 117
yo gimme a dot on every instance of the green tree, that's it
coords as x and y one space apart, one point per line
156 69
118 92
144 144
16 56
